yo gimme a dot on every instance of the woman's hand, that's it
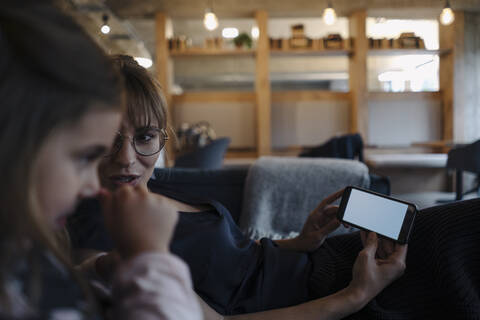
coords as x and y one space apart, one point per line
372 274
320 223
138 221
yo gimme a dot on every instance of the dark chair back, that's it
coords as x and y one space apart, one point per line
465 158
349 146
207 157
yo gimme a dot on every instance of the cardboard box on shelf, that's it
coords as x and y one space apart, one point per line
297 31
333 41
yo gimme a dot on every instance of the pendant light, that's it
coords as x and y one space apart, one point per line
447 16
210 20
105 29
329 15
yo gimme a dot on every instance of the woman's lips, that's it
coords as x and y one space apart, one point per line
122 180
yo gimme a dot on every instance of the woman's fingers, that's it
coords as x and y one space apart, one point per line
330 199
331 210
371 244
400 252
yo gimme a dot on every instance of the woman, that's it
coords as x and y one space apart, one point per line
61 106
212 245
308 277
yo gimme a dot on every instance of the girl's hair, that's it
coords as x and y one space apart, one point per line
144 98
51 74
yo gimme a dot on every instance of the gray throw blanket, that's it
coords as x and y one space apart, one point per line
280 192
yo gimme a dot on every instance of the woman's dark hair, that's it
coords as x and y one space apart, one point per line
143 94
51 74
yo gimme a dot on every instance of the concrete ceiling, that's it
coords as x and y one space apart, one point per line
275 8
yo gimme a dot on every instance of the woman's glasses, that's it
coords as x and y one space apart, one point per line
145 142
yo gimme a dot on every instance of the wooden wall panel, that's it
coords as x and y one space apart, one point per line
451 77
162 63
262 86
358 74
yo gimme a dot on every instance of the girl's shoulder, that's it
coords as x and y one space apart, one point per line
41 287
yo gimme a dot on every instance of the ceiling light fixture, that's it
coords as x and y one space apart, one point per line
329 15
255 32
105 27
144 62
229 33
210 20
447 16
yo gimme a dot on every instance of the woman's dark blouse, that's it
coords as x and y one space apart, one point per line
232 273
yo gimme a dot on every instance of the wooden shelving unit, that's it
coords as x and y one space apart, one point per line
358 96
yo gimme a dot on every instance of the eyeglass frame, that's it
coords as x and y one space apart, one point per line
162 143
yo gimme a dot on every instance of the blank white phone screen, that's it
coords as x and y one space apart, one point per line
375 213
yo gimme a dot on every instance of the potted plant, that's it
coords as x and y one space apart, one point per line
243 40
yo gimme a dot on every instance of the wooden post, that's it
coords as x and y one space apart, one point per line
162 64
452 78
358 74
262 87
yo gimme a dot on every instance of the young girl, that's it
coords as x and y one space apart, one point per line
60 108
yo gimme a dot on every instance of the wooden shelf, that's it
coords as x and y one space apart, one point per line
233 153
215 96
191 52
392 96
310 52
309 95
397 52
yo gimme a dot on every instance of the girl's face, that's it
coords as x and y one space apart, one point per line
125 166
66 169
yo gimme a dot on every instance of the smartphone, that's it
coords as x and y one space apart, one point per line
371 211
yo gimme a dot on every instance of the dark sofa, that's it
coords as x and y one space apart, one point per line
226 185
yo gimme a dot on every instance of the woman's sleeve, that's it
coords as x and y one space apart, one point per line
154 286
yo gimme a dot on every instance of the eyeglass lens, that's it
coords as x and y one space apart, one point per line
146 142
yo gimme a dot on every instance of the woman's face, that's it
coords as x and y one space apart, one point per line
125 166
66 169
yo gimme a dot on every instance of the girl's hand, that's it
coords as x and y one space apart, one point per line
138 221
370 274
321 222
106 264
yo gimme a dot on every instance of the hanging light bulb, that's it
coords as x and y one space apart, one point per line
255 32
447 16
210 20
105 27
329 15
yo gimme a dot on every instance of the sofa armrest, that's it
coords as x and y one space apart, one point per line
223 185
